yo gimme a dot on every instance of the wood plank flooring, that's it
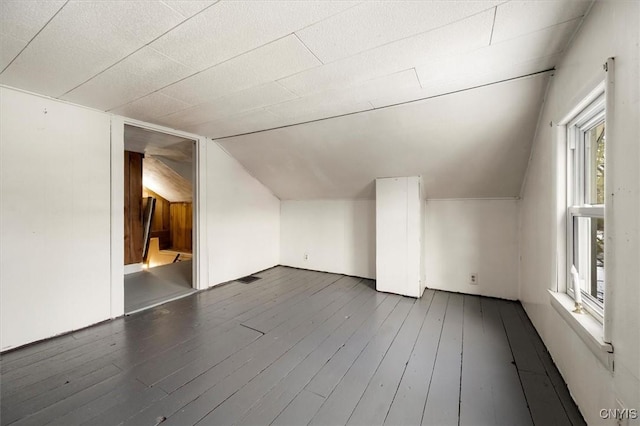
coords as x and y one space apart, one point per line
293 348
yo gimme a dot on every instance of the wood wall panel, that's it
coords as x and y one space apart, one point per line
133 233
181 226
161 222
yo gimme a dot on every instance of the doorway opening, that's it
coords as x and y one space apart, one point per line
159 190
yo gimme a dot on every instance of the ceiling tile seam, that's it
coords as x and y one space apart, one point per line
417 77
580 18
493 25
536 31
348 87
183 109
330 16
575 31
530 75
265 44
161 94
34 37
205 69
176 11
407 37
287 89
142 47
234 115
307 47
389 43
212 66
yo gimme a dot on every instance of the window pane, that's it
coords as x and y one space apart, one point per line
595 142
588 257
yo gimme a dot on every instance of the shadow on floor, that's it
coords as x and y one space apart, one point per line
157 285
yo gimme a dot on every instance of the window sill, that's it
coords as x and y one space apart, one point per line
585 326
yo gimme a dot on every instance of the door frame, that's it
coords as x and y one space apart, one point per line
199 232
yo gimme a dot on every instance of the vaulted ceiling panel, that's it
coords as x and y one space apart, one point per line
166 182
9 49
188 8
23 19
230 28
143 72
279 59
470 144
225 68
72 48
381 23
461 79
20 21
516 18
503 56
344 101
151 106
229 106
248 122
141 140
462 36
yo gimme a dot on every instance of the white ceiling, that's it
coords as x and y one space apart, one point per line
462 145
158 144
167 168
233 67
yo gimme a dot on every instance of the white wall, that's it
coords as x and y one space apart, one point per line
55 218
610 29
472 236
243 220
337 235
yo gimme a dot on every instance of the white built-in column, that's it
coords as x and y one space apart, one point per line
399 235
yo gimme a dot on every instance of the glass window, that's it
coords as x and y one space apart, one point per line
586 208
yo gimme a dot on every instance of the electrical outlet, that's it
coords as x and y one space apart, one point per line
473 278
306 256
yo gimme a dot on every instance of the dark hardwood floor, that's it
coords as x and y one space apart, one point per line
296 347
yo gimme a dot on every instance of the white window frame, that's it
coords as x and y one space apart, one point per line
577 158
596 335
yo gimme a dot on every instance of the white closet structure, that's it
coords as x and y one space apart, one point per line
399 229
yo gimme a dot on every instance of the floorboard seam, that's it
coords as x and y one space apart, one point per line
404 370
524 392
267 366
380 363
435 358
522 315
251 328
356 358
464 299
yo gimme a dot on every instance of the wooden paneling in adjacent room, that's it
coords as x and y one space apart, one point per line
160 223
181 225
132 207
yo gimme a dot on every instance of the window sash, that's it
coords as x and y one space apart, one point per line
578 183
576 235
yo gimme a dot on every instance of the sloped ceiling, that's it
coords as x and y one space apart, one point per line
165 181
168 162
228 68
469 144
